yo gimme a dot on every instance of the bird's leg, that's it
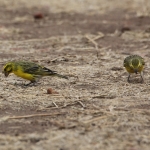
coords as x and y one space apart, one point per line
141 74
34 81
129 78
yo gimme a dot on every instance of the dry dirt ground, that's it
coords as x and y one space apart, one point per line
96 109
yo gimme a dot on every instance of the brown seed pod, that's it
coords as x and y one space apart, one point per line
51 91
38 16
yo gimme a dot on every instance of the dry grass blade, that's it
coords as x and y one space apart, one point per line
95 119
101 35
92 41
55 59
55 104
35 115
81 104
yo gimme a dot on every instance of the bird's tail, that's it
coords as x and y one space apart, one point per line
61 76
48 72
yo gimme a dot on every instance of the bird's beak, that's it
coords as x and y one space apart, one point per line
5 73
136 71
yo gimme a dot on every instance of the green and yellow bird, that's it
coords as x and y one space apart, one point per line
28 70
134 64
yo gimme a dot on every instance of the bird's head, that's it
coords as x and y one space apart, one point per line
7 69
136 65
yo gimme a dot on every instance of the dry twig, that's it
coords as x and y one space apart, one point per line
81 104
55 104
92 41
35 115
95 119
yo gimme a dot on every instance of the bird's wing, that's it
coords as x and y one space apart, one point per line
126 62
46 70
38 70
143 61
32 70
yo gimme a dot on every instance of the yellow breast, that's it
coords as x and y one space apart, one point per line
130 70
21 74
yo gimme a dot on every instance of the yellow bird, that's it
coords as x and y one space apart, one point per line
28 70
134 64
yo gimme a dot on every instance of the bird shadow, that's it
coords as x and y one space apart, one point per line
26 85
136 81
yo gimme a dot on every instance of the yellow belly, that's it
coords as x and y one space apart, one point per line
21 74
130 70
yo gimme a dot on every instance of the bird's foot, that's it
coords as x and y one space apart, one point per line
30 84
142 81
129 81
